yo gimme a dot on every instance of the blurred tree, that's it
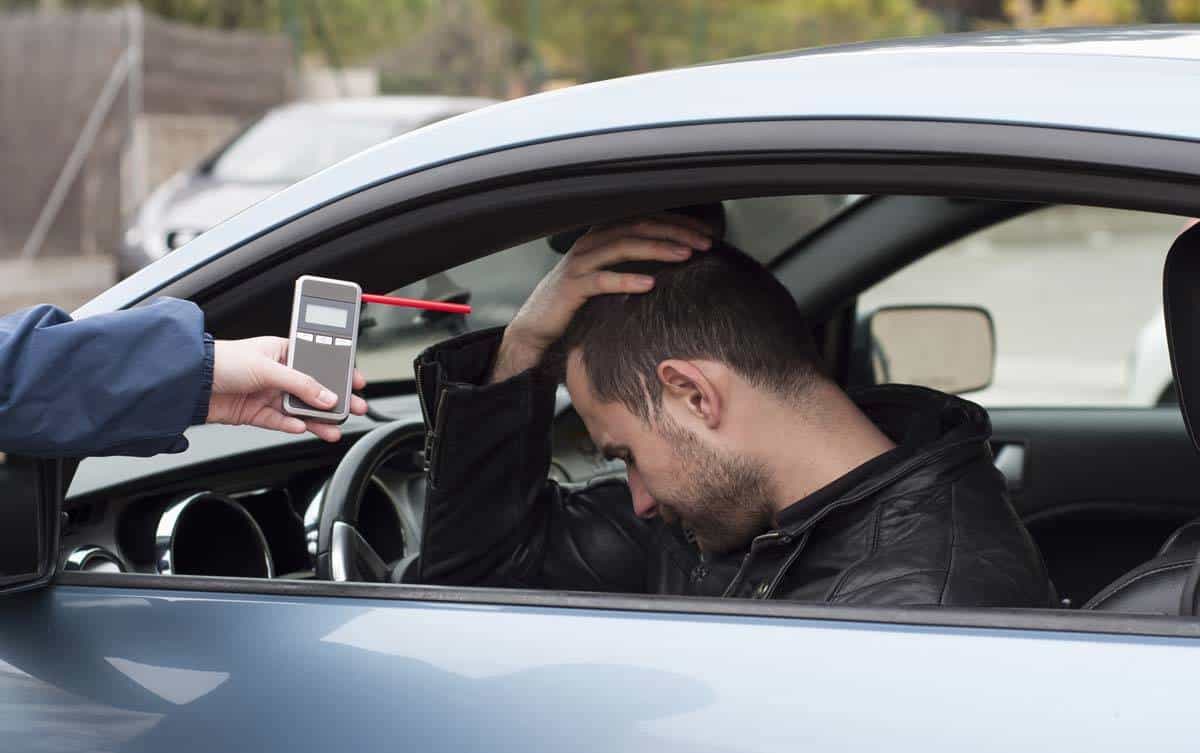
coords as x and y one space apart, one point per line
961 15
1154 11
459 50
223 14
352 29
1025 14
1184 10
596 39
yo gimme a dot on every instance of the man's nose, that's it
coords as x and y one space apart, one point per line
644 505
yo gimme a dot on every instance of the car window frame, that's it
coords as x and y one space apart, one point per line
1006 162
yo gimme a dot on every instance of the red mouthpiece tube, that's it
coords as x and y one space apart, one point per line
416 303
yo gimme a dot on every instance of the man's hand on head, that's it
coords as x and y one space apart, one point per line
583 272
249 379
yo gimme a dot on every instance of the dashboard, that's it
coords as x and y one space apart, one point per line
246 502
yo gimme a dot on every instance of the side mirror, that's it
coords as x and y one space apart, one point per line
948 348
30 497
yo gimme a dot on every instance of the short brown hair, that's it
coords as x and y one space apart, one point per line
720 305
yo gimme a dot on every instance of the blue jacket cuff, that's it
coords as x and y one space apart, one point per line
200 414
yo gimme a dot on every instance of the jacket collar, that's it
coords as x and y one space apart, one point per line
929 427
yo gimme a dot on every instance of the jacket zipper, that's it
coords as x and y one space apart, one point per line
804 530
759 542
431 430
787 565
432 435
421 393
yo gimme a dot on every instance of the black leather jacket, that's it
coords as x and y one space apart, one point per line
928 523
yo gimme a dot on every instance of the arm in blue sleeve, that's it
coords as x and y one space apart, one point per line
123 383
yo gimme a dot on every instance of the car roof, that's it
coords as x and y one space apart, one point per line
1136 80
400 108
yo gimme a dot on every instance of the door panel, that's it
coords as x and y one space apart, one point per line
1079 455
1099 489
128 670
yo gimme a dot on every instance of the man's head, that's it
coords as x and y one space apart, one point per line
671 380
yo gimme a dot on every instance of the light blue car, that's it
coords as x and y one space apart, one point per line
171 603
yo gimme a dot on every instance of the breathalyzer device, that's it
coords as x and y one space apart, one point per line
322 343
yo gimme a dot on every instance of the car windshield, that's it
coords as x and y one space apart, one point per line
285 147
497 285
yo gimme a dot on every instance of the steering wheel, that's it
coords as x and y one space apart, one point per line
343 554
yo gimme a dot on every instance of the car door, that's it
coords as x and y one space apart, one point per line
136 668
142 662
1099 462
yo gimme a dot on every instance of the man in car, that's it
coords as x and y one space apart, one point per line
750 473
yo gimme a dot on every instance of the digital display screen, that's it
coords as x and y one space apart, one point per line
329 316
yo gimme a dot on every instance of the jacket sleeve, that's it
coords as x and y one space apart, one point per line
491 516
123 383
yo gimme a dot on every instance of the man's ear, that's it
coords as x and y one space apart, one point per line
686 382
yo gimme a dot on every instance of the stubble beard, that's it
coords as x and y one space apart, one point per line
724 500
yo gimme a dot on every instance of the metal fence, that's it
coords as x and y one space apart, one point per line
81 95
53 68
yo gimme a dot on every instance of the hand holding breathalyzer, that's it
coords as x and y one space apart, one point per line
250 378
322 345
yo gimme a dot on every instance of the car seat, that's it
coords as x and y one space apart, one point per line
1167 584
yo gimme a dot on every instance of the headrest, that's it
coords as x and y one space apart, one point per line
1181 309
1184 542
713 214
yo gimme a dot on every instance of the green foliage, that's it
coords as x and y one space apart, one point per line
354 29
1185 11
1029 15
223 14
595 39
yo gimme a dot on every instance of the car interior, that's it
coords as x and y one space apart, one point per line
1106 488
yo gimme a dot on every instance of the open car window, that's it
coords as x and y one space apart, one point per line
1075 294
498 284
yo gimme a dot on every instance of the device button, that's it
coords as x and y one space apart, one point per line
324 340
304 336
342 341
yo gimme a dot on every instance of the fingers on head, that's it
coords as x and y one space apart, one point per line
634 249
607 282
684 231
695 223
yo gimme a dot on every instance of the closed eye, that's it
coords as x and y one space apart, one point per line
617 452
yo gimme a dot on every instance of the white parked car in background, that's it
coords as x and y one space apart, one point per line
285 145
1150 380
